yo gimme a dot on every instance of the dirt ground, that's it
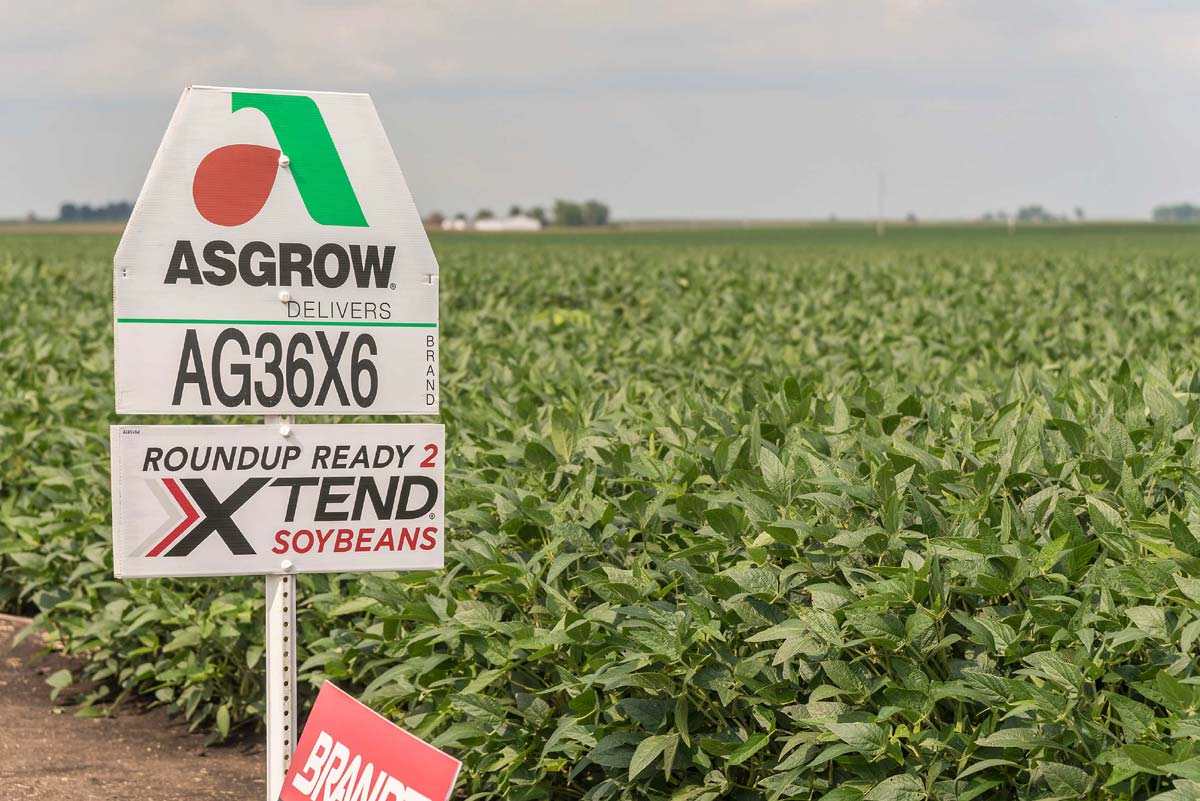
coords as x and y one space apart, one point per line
48 753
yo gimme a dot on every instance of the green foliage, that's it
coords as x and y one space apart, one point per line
912 519
567 213
570 214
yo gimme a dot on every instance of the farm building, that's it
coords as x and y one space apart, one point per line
518 222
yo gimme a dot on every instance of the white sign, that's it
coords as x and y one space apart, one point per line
234 500
275 264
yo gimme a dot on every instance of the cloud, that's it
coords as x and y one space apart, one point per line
793 106
137 48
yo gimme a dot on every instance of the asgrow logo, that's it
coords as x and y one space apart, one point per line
233 182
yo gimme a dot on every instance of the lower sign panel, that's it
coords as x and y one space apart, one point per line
236 500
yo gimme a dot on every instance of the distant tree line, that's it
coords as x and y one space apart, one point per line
113 212
564 214
569 214
1034 213
1177 213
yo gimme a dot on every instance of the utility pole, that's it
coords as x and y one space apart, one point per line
879 227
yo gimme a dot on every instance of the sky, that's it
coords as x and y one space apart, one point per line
709 110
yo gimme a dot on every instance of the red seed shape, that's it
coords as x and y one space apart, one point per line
233 183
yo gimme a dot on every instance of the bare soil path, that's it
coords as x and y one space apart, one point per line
48 753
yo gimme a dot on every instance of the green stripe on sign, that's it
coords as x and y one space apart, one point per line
340 323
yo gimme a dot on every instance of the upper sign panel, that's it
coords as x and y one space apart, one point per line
275 263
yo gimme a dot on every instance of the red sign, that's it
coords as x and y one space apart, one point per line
350 753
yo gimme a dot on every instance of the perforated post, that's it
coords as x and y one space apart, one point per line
281 664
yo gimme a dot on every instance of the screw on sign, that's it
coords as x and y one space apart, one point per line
349 753
275 263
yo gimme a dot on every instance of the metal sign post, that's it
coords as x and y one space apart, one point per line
281 680
281 665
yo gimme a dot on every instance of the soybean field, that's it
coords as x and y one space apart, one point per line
777 513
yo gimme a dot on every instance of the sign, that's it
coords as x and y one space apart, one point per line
236 500
275 264
347 752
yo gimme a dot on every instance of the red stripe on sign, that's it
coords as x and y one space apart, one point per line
189 512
